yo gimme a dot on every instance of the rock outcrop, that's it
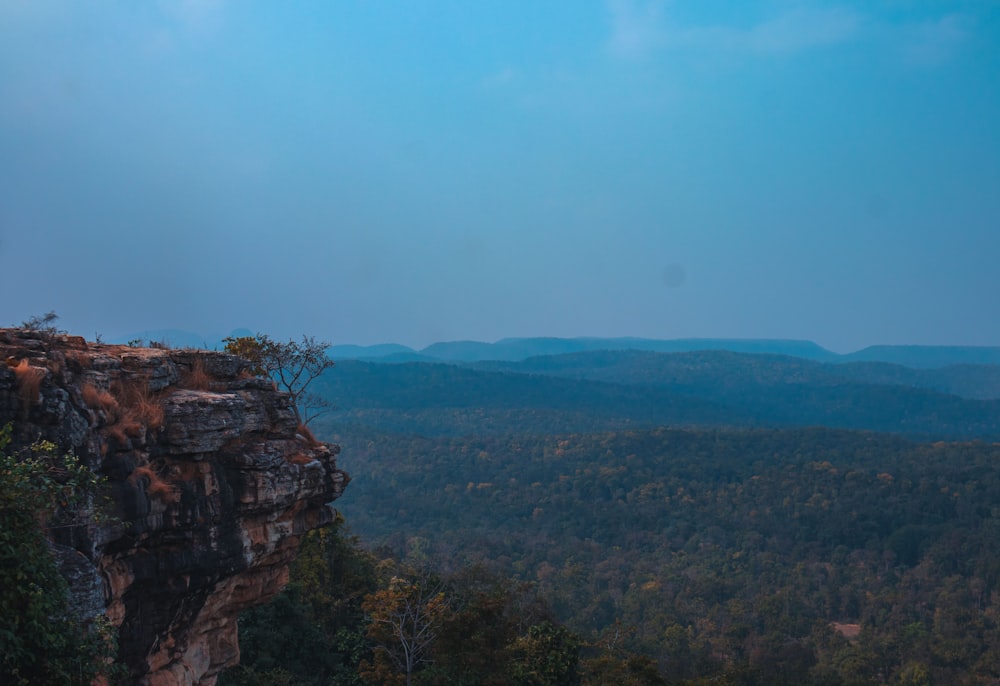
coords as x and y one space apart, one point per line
211 485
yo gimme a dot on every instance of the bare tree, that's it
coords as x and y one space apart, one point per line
292 366
44 324
405 620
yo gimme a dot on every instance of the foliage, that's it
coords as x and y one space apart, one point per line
611 662
347 620
488 613
293 366
732 391
40 642
734 554
44 323
281 640
724 556
546 655
313 632
404 620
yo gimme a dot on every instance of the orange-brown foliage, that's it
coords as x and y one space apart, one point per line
29 382
116 433
187 470
306 433
300 458
98 399
131 409
79 358
197 379
130 425
91 396
56 363
156 487
140 404
149 411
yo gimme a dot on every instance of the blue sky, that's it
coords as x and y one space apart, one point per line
419 171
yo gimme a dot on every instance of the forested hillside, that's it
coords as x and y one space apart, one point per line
729 518
629 389
713 371
809 556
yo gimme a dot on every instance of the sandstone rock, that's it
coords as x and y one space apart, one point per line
212 488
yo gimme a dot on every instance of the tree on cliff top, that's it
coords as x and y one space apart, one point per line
292 366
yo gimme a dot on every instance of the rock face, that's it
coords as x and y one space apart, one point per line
211 486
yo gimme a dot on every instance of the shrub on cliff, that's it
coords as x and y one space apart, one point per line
40 642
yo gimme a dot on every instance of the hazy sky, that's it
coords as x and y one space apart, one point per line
412 171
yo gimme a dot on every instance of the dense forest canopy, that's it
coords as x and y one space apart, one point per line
728 518
628 389
744 541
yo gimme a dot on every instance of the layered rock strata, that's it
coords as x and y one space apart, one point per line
210 481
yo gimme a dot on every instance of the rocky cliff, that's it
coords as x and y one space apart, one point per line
211 485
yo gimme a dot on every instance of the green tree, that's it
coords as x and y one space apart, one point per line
292 366
612 663
281 639
313 632
488 612
547 655
40 641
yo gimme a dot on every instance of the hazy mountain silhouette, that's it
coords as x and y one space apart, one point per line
517 349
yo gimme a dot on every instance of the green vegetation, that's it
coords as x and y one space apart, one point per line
648 557
735 547
40 642
312 633
350 618
730 553
711 372
624 390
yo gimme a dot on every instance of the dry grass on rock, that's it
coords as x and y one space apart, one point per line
197 379
156 487
29 382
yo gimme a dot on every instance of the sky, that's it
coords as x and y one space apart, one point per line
373 171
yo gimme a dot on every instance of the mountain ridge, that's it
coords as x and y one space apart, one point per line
518 349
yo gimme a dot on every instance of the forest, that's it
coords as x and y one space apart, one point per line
651 519
613 390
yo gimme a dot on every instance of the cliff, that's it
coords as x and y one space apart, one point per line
211 486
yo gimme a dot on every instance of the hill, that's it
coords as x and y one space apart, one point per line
718 369
517 349
632 389
927 356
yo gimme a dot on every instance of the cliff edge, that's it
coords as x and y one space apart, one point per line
211 486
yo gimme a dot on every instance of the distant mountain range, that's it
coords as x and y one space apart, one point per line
518 349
